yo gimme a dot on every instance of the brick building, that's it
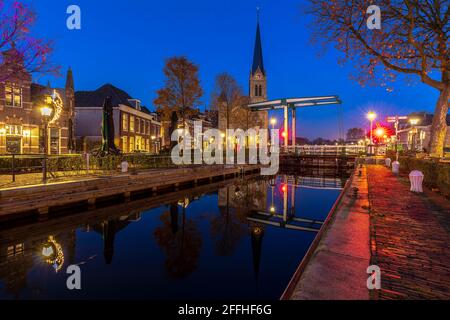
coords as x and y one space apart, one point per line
21 125
135 127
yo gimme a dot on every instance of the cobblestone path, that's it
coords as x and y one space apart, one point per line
410 240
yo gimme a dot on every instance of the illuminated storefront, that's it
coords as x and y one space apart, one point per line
21 123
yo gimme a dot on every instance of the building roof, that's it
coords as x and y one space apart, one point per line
87 99
258 62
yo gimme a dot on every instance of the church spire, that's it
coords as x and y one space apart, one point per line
257 53
69 79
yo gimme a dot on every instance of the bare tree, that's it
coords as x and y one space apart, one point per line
413 40
20 50
227 100
181 92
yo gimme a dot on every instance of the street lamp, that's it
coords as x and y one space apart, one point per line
273 122
46 112
413 122
371 116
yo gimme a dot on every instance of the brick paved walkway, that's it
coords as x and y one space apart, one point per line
410 240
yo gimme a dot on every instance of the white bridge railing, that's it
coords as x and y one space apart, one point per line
325 150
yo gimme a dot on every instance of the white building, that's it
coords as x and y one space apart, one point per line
136 129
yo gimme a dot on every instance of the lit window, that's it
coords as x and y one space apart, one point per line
124 122
125 144
131 144
14 130
13 96
138 143
15 249
138 125
132 123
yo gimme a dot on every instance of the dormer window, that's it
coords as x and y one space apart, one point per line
135 103
13 96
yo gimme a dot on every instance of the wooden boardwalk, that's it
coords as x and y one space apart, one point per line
39 200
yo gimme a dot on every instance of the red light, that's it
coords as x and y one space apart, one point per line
380 132
283 134
284 188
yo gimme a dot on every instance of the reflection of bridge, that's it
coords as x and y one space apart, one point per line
315 182
285 221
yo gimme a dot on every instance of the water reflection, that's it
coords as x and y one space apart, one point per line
234 235
180 239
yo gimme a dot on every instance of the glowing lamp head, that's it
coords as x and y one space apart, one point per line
153 137
414 121
284 188
371 116
283 134
273 121
46 111
272 209
222 135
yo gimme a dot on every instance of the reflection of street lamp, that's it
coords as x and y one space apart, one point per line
46 112
413 122
371 116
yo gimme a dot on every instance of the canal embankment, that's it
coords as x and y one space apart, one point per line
336 263
41 199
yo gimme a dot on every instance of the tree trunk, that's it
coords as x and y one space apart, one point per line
439 127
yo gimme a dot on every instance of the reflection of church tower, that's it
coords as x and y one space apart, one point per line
258 80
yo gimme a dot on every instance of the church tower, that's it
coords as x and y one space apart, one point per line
258 79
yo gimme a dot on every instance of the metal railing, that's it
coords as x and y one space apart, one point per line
79 164
326 150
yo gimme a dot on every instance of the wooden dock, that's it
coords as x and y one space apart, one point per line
40 200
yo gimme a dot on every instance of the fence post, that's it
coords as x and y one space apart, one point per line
13 171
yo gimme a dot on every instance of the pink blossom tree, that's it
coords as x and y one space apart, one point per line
20 50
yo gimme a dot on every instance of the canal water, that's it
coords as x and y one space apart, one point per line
237 239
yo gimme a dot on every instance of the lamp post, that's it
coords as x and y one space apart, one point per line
371 116
46 112
413 122
273 122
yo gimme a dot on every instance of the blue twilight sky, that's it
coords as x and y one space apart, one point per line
126 43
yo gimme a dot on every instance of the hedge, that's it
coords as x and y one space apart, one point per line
437 174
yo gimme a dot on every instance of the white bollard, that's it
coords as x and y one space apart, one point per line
395 167
388 162
124 166
416 179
